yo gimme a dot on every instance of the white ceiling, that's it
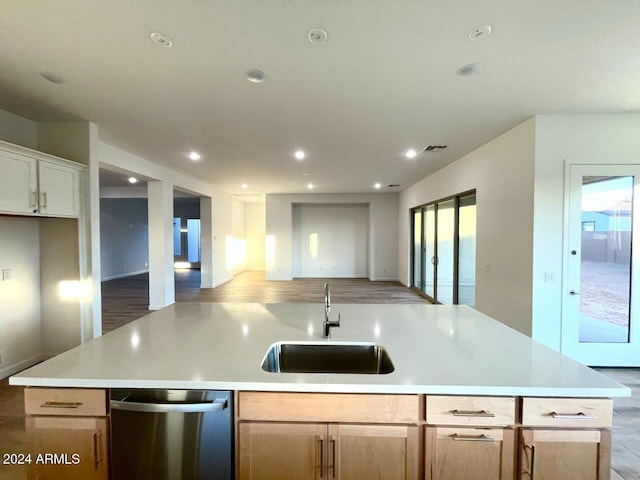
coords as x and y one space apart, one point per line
385 80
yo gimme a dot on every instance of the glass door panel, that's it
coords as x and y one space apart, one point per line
605 259
429 250
467 250
445 260
417 250
600 294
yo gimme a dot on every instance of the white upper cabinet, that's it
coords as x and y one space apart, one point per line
18 183
33 183
58 192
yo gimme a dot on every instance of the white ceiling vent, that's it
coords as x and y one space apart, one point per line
434 148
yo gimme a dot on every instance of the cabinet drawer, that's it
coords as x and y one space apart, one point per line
495 411
65 401
328 407
567 412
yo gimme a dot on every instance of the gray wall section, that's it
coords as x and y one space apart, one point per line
124 237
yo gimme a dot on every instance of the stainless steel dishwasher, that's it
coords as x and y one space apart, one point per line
171 434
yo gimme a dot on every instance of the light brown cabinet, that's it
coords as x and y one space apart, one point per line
273 451
68 433
294 436
565 454
567 438
469 437
469 453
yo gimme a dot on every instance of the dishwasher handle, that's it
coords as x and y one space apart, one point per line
217 405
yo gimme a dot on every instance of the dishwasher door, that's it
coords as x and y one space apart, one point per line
171 435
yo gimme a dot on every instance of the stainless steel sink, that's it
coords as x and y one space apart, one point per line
327 357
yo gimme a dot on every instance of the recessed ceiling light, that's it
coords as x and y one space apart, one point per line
479 33
133 180
194 156
161 39
52 77
377 186
411 153
244 186
310 186
470 69
299 154
255 76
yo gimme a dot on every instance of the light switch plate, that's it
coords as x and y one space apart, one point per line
6 274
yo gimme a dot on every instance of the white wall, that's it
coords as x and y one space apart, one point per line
61 319
254 232
18 130
383 235
124 237
559 139
501 172
330 241
20 337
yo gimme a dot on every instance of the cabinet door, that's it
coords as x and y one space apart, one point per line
59 189
275 451
68 447
565 454
366 452
469 453
17 183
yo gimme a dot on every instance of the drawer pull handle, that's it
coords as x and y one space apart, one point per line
530 459
572 416
472 413
97 458
53 404
321 443
472 438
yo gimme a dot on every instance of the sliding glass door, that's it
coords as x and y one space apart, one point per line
443 254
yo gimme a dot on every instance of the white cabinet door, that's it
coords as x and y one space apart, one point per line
58 191
17 183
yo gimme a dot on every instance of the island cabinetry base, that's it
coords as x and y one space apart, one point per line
68 433
328 436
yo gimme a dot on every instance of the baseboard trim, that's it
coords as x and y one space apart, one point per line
123 275
18 367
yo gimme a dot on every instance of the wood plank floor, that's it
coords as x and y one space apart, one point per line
125 300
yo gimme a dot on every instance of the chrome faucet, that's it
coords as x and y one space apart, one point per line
327 324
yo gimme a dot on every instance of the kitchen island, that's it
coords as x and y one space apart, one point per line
447 361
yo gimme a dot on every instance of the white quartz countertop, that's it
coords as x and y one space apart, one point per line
437 349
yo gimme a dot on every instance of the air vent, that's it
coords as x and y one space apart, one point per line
391 185
434 148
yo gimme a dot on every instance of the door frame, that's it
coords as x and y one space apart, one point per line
600 354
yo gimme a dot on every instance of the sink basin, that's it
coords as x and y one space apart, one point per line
333 357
